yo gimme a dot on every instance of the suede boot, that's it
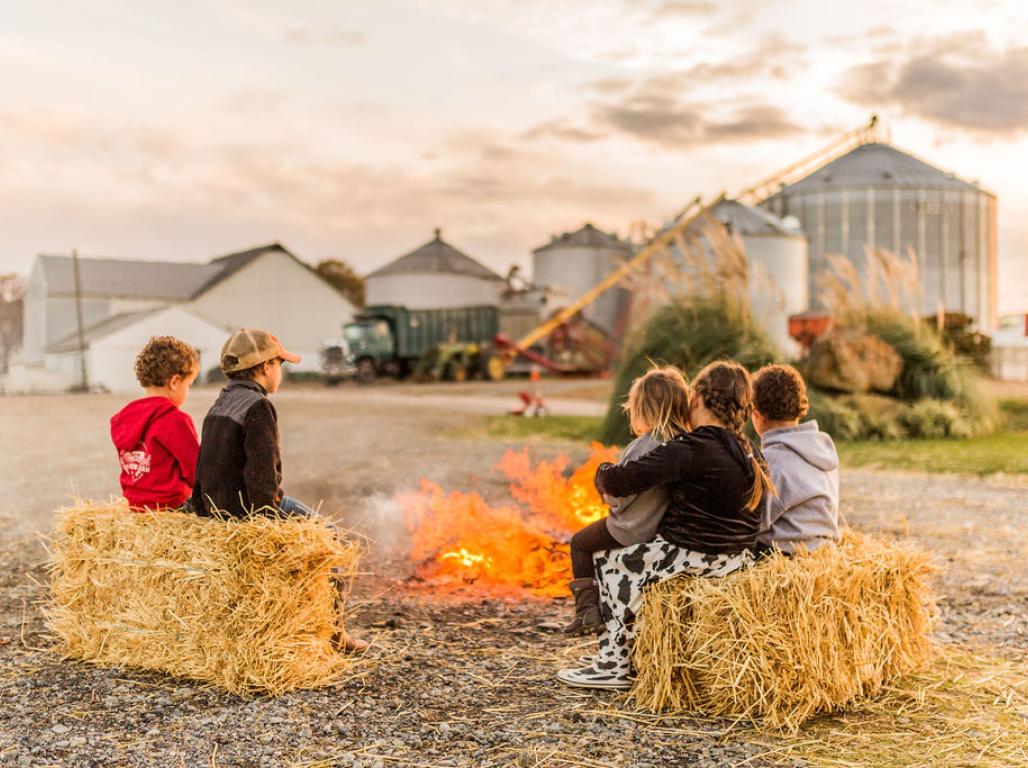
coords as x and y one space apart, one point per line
587 608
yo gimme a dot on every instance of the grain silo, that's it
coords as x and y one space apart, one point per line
877 196
575 262
776 254
434 276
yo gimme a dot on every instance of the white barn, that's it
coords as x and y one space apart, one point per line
434 276
112 345
124 302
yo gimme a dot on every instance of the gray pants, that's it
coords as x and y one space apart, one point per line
622 575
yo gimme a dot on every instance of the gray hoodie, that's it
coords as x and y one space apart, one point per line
805 470
634 519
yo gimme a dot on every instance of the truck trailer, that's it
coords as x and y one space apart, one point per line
452 344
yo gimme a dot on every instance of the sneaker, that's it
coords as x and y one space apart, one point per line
590 677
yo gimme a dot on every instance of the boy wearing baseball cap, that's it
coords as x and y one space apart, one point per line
239 471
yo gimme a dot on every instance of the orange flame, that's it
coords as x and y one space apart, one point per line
459 539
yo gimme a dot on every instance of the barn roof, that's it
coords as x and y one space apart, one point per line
586 237
137 279
879 165
436 257
105 327
172 281
109 325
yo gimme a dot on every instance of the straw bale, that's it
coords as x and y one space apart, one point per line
249 605
789 637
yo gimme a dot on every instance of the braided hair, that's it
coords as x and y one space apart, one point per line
727 393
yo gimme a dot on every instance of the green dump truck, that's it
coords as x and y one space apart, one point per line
452 344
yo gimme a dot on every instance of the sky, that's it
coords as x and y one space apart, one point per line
344 129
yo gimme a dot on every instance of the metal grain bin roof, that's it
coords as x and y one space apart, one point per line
436 257
586 237
879 165
743 219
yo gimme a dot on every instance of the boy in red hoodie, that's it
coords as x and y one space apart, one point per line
156 442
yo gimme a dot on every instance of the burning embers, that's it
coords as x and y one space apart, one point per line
458 538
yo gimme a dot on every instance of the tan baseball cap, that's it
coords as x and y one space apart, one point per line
248 347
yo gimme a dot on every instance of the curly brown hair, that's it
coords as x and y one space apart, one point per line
162 358
779 393
727 392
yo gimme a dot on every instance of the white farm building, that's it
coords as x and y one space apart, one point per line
434 276
124 302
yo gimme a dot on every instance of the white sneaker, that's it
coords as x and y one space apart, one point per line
590 677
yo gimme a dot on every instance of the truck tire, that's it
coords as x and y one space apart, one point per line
455 371
365 371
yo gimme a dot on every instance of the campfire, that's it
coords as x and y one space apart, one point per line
459 539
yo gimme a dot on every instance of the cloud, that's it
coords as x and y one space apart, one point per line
957 81
334 38
681 125
772 56
74 136
672 8
564 131
670 109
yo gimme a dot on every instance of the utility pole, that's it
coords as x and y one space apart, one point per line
84 383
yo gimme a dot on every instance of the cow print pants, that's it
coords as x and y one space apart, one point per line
622 575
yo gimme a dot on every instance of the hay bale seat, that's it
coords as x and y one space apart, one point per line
248 605
789 637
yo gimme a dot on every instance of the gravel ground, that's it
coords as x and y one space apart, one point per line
455 679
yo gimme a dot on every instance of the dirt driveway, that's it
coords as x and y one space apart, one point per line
339 446
464 682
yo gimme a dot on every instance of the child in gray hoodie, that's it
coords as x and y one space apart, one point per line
803 462
658 410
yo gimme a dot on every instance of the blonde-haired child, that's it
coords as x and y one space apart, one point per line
658 410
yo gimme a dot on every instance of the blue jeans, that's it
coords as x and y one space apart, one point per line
294 508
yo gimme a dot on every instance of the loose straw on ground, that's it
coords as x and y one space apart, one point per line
248 605
788 638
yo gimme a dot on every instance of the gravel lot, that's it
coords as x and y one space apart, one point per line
455 680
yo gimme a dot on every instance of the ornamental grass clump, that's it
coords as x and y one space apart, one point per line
690 308
939 391
789 637
249 605
687 333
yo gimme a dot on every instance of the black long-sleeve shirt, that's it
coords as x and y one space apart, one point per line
239 470
709 479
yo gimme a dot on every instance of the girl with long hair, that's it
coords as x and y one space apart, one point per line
716 481
658 411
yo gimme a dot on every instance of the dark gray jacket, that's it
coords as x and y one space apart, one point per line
634 519
240 469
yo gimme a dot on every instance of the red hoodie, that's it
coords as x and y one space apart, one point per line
157 449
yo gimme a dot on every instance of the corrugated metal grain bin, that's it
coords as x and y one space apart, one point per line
878 196
574 262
